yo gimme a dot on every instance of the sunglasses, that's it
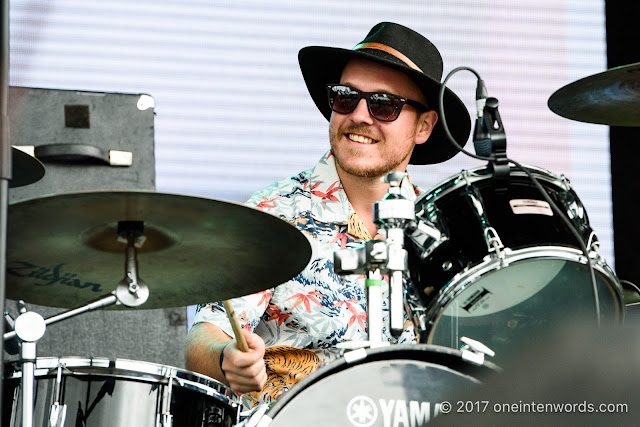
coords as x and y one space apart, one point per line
385 107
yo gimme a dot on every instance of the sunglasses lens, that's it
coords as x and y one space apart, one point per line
384 107
343 99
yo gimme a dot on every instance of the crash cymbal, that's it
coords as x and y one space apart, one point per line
63 250
609 98
25 169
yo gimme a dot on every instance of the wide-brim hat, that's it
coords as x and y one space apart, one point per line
402 49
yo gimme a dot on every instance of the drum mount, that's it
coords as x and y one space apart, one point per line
377 257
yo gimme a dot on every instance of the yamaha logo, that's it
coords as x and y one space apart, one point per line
362 411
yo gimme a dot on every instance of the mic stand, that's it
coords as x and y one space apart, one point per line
30 326
377 257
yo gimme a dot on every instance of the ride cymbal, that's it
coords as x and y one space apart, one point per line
64 251
609 98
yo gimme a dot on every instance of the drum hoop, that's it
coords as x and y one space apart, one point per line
472 274
473 175
376 355
136 370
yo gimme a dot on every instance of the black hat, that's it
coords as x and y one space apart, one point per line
403 49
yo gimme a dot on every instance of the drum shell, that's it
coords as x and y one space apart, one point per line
460 288
465 245
102 392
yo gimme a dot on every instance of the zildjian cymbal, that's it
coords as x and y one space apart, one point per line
609 98
65 250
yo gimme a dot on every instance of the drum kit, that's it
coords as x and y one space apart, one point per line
477 263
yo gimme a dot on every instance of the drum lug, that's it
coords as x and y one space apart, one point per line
474 351
494 244
58 412
593 245
166 417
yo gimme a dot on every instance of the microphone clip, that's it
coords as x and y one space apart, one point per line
492 125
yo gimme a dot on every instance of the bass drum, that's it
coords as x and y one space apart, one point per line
402 384
97 392
492 261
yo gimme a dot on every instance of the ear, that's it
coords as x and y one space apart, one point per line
426 123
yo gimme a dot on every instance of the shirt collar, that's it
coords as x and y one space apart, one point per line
329 202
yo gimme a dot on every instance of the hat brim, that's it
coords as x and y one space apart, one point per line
322 65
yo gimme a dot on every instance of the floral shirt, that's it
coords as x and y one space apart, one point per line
302 320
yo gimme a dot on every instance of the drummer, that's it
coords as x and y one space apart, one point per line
381 100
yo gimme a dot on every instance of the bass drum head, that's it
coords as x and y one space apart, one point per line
384 386
539 290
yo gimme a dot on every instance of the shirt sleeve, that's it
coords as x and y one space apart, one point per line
249 310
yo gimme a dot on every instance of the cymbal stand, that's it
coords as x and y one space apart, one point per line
30 326
393 214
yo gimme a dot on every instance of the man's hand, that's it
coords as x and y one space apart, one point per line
245 371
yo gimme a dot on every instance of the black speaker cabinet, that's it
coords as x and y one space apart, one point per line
86 140
92 141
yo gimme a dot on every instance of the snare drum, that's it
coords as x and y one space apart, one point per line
492 261
402 384
102 392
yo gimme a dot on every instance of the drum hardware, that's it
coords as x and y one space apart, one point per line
58 411
494 244
609 98
474 351
165 413
393 215
491 237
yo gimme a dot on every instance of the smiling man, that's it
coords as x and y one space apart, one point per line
380 99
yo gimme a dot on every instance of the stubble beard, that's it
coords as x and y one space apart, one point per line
376 171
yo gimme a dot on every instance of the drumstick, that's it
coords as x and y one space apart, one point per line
241 342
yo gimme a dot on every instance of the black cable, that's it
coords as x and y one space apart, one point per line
562 215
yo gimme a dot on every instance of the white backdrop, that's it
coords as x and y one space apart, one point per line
232 111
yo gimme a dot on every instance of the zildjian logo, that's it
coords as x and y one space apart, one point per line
47 276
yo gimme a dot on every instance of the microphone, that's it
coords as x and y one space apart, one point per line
481 137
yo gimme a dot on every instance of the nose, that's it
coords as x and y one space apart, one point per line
361 113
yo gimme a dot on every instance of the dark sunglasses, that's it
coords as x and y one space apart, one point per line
385 107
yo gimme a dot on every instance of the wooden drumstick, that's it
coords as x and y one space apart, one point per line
241 342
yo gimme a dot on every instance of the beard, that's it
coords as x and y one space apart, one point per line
389 161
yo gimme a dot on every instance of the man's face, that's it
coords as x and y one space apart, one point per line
369 148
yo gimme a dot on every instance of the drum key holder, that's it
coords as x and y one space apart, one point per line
393 215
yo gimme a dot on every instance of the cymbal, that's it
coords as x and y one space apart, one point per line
63 250
25 169
609 98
